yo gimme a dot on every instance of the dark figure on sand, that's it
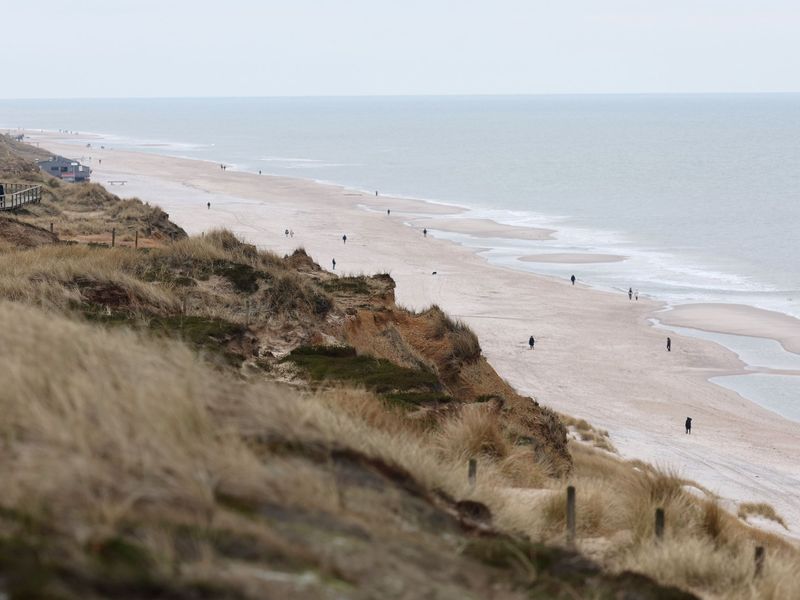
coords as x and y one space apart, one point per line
572 279
333 261
531 342
388 211
344 239
425 232
669 345
630 293
208 205
688 425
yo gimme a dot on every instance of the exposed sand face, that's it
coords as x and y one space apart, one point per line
572 259
596 356
738 320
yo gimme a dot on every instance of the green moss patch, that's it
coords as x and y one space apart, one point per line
356 286
326 363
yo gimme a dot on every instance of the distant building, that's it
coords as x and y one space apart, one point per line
66 169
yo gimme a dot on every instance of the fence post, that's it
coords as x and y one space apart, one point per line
759 557
113 237
659 523
472 473
571 515
136 239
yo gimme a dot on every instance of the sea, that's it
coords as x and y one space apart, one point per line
700 192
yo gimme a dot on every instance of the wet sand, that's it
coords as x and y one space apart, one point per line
573 259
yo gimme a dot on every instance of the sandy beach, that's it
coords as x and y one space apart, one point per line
596 355
572 259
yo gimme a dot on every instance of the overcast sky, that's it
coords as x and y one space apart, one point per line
126 48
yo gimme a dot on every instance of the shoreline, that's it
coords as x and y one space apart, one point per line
260 207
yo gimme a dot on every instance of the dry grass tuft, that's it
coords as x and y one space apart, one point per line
474 432
761 509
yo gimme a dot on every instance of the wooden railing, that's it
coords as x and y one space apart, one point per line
14 195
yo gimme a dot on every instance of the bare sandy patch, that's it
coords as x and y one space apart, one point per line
737 319
573 259
486 228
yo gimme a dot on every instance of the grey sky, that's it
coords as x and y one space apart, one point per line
122 48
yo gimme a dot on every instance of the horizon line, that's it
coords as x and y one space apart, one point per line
432 95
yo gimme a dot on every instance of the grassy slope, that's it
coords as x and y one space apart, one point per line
146 453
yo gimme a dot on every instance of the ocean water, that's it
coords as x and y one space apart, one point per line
701 192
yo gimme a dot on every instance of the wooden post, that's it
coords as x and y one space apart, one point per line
759 557
51 227
136 239
113 237
659 523
571 515
472 473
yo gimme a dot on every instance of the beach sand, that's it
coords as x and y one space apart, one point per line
572 259
738 320
485 228
596 358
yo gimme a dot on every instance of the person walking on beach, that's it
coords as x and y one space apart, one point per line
333 262
389 211
376 193
208 205
669 345
286 232
291 233
636 295
425 232
344 239
688 425
572 279
630 293
531 342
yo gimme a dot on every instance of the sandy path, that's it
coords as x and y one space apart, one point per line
596 355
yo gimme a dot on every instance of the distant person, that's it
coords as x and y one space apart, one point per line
291 233
259 171
636 295
688 425
344 239
388 211
425 233
333 262
376 193
208 204
531 342
99 161
572 279
630 293
286 232
669 345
